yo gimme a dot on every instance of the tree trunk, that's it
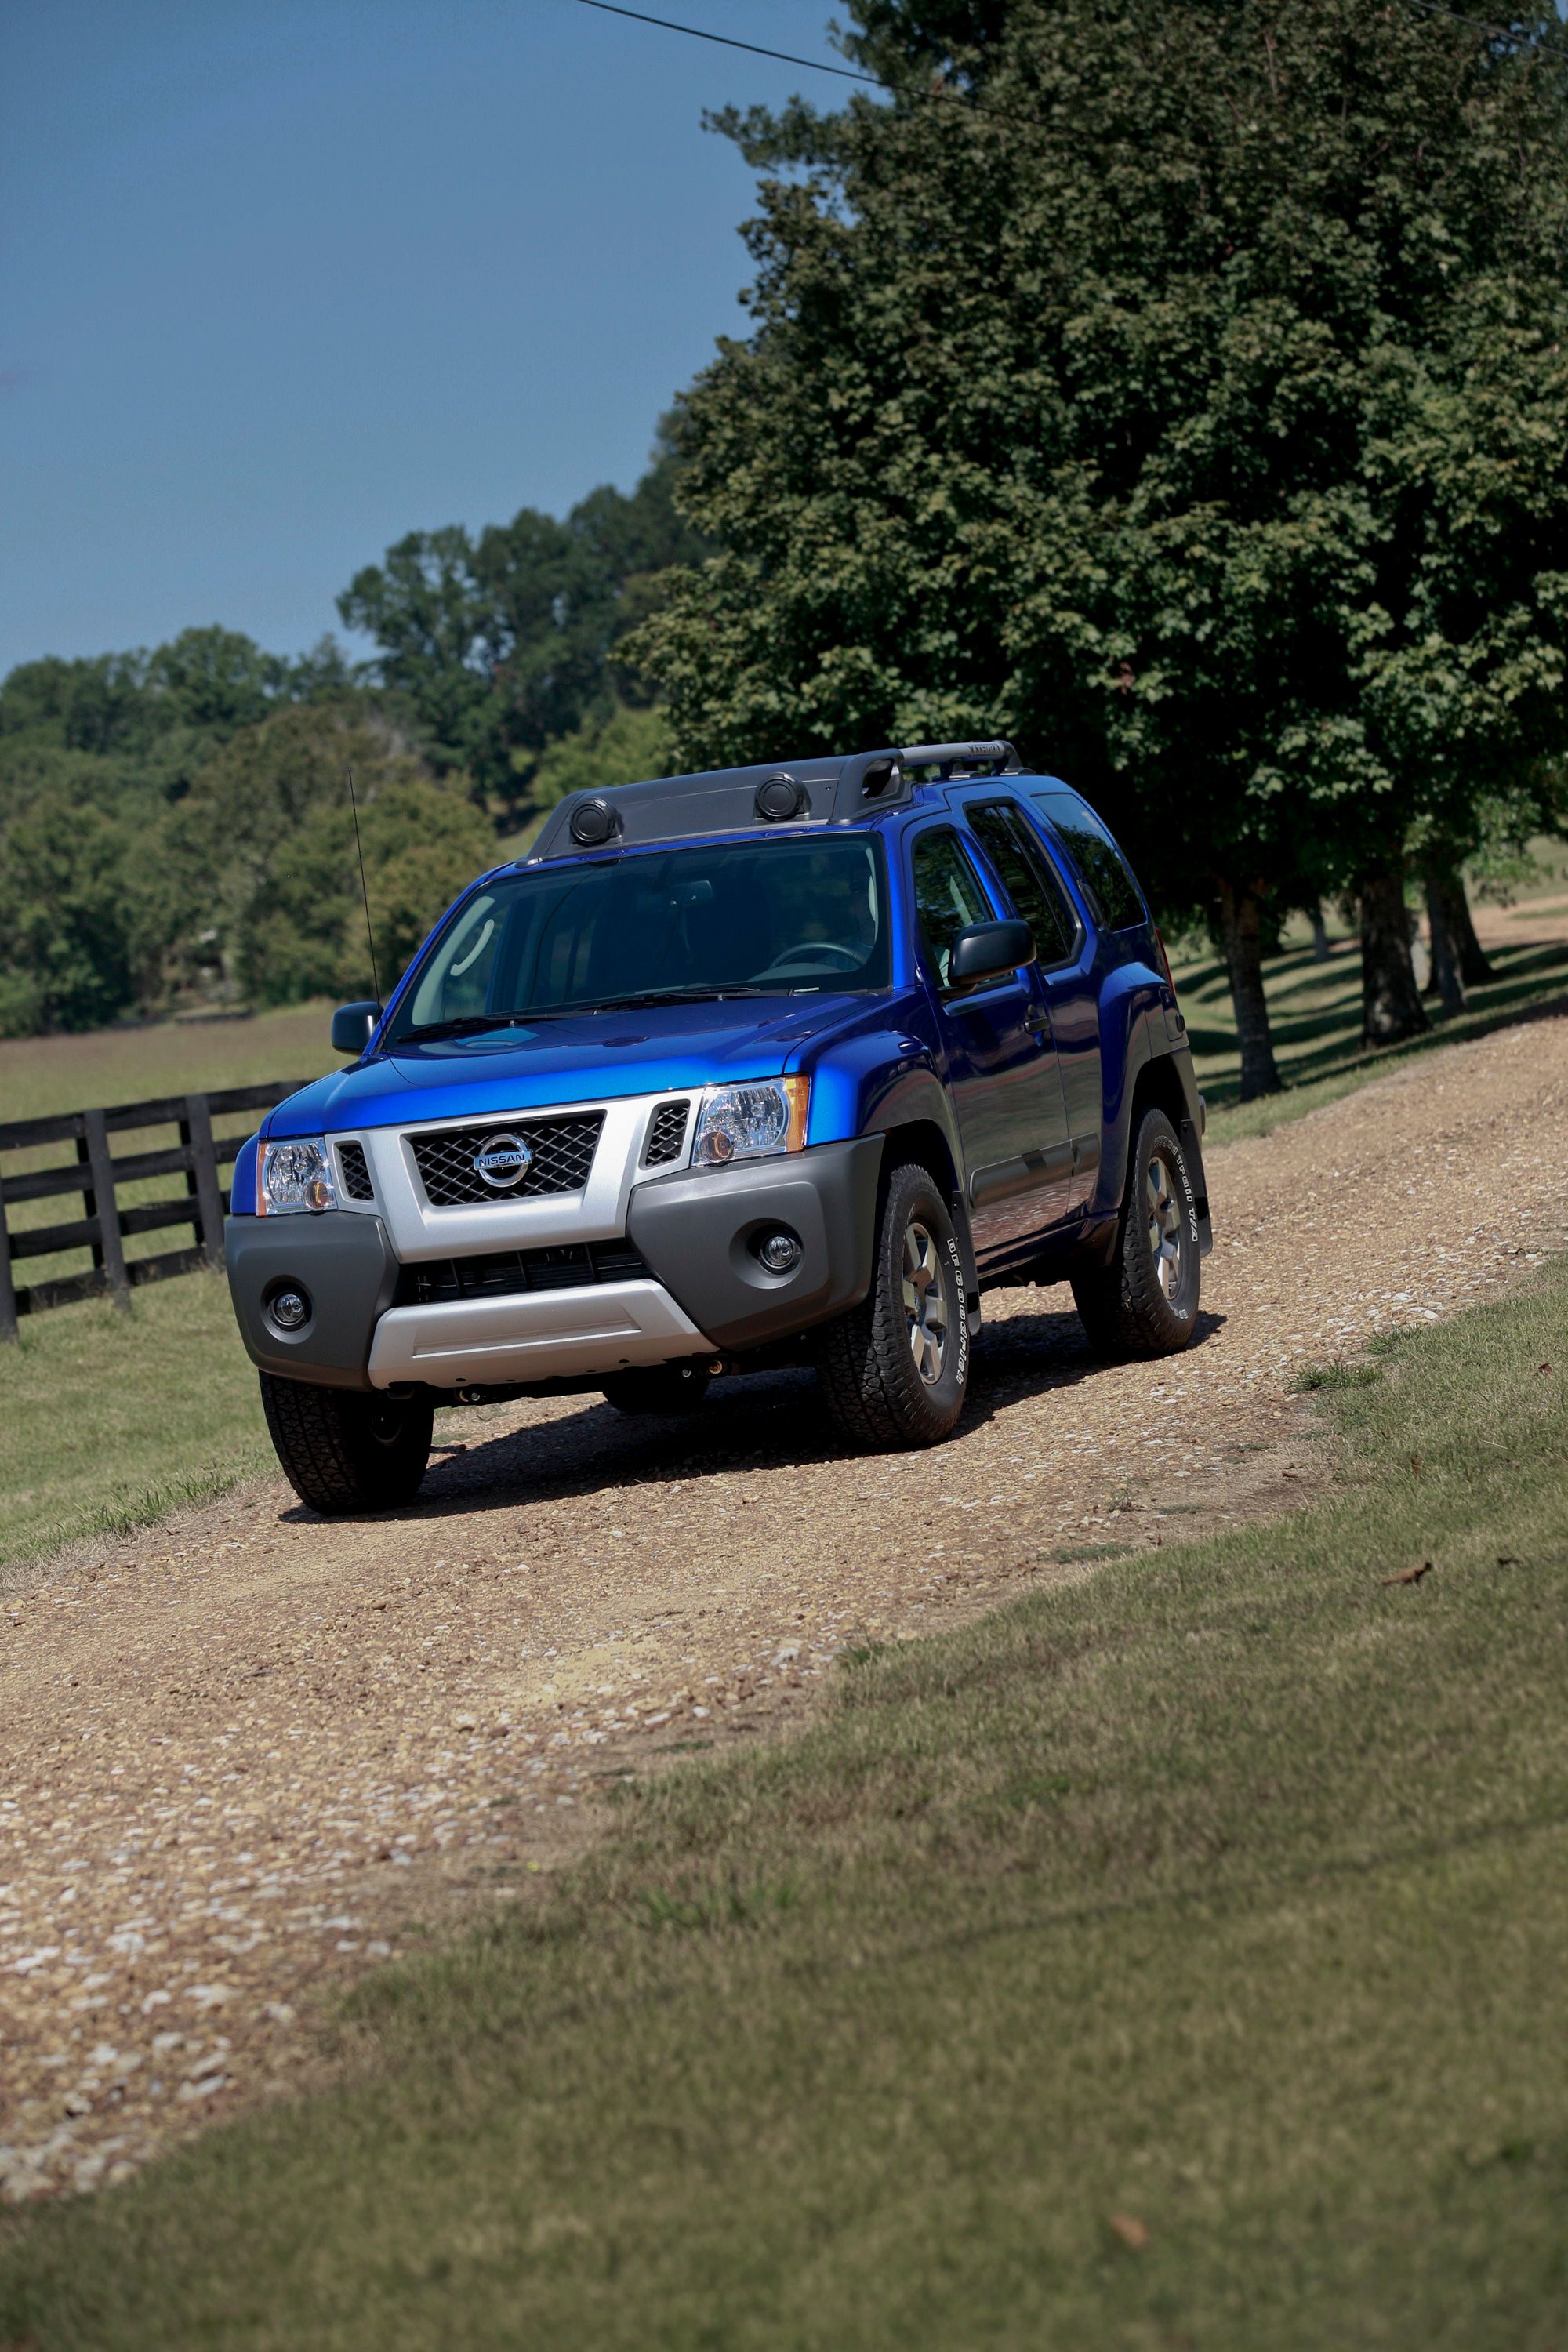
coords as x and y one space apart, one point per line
1447 948
1475 965
1319 935
1390 1000
1240 910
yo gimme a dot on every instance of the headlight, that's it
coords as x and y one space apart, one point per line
293 1175
750 1122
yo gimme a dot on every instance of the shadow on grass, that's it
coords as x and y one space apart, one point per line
1530 988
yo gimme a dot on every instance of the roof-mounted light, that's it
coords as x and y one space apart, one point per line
780 798
593 821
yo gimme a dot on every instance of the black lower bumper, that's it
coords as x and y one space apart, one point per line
343 1264
699 1236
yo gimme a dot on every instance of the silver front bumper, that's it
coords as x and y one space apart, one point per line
532 1335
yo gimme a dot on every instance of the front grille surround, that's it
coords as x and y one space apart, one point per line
563 1150
503 1274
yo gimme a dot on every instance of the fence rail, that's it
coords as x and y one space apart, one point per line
96 1177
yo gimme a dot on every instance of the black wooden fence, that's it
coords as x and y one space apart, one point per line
96 1176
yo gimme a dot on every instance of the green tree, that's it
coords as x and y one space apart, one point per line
499 644
266 849
101 913
620 749
158 715
1181 391
86 902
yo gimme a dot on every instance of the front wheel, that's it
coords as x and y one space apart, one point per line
895 1370
1145 1302
344 1452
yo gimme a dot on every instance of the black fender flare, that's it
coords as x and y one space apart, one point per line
916 1096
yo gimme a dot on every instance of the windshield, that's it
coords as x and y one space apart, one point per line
764 918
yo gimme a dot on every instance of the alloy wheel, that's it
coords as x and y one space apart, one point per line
925 1302
1167 1240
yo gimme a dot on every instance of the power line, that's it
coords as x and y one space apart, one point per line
997 114
695 32
1494 31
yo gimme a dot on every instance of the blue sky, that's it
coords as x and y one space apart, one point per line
281 280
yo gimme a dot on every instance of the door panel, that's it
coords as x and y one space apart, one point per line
1012 1119
1063 979
1072 992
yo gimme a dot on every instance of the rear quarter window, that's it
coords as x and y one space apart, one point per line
1115 898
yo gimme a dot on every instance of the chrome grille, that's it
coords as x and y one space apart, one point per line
563 1152
357 1185
665 1134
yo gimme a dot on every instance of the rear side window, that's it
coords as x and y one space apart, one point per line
949 896
1113 893
1027 878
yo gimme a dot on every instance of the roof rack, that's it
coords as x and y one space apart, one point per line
734 799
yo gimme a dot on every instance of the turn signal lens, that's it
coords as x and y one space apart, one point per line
751 1122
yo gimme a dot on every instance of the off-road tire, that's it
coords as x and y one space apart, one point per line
866 1360
1125 1307
657 1388
344 1452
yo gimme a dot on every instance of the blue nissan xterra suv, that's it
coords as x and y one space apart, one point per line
776 1065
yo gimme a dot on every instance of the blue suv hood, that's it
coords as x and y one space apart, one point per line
584 1057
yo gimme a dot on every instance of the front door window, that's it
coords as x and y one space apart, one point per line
949 896
1012 1120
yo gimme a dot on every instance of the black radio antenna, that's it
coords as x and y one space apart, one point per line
364 892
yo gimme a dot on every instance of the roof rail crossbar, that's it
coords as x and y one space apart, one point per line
998 756
873 779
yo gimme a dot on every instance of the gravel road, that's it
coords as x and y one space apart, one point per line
238 1755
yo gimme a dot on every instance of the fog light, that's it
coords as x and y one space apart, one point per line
779 1252
290 1308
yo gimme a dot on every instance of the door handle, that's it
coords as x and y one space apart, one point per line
1038 1020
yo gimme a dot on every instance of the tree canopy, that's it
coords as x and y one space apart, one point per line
175 823
1180 391
503 642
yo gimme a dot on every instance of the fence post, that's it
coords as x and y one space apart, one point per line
7 1288
109 1251
198 1131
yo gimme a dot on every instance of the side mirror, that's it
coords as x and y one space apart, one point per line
352 1027
989 951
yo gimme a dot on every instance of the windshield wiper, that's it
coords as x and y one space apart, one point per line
665 996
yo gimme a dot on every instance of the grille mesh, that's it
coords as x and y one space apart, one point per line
563 1152
665 1134
567 1266
357 1185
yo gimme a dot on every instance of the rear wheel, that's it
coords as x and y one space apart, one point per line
895 1370
1145 1302
341 1451
657 1388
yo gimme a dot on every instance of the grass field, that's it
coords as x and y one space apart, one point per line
83 1434
108 1418
1170 1959
42 1074
111 1418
